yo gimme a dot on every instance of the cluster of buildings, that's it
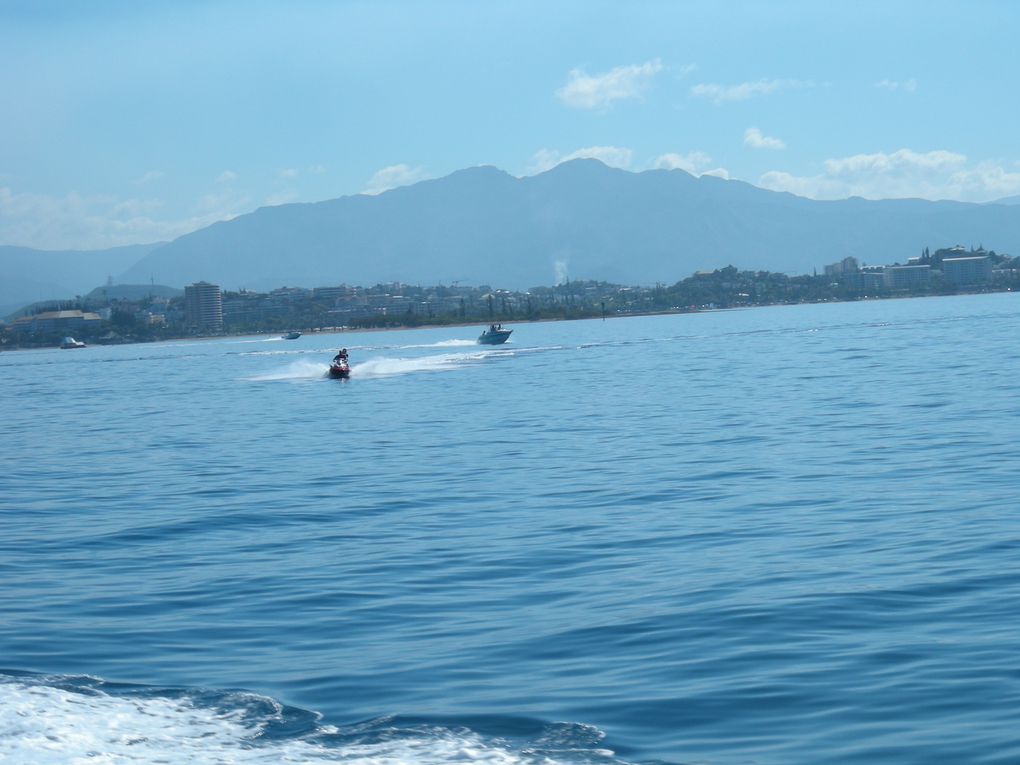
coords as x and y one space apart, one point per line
205 309
71 322
208 309
956 267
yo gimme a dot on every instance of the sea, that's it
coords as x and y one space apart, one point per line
775 535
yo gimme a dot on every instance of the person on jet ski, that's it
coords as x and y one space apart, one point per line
341 357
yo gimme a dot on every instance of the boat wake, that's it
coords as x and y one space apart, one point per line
383 366
61 719
301 369
392 367
451 343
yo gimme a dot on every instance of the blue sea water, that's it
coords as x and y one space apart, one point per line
780 535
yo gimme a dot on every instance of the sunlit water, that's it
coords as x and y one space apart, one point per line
782 535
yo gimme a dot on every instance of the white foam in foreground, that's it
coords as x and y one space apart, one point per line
43 725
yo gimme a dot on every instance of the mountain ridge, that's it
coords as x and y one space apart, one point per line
580 219
28 275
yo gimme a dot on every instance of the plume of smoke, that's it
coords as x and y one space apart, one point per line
560 271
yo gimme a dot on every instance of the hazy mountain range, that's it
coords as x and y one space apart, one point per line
581 220
28 275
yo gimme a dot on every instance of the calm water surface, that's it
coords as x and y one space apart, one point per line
782 535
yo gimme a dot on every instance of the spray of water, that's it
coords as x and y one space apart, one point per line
391 367
381 366
302 369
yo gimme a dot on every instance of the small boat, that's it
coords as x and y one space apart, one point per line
70 342
291 336
339 369
494 335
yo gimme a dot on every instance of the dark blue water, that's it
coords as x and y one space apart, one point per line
782 535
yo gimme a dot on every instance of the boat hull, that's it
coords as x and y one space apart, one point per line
494 337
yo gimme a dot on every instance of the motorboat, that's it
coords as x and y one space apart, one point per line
70 342
339 369
291 336
494 335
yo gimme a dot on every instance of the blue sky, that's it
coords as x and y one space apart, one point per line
129 122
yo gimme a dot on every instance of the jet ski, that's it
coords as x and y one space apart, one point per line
339 369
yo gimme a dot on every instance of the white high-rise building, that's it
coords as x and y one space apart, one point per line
203 306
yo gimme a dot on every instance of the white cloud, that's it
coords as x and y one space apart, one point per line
226 176
281 198
316 169
903 161
73 221
753 137
986 181
149 177
718 172
695 162
288 172
393 176
908 85
904 173
722 93
686 69
614 156
542 160
584 91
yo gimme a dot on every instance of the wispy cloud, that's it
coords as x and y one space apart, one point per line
937 174
393 176
745 90
614 156
281 198
753 137
149 177
226 176
74 221
316 169
287 172
693 162
584 91
907 85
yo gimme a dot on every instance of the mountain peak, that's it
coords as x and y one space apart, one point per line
482 225
583 166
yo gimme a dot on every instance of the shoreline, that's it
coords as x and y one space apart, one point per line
458 324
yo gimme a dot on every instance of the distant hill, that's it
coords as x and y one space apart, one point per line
581 219
1007 201
133 292
28 275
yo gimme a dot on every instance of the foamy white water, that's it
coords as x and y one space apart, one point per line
301 369
389 367
45 725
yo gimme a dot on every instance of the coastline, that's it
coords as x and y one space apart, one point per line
506 321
